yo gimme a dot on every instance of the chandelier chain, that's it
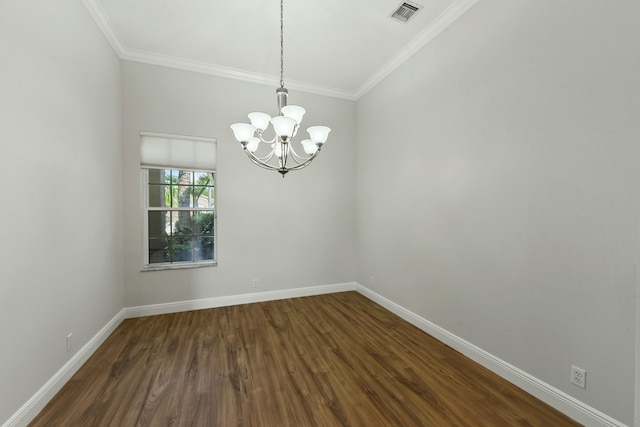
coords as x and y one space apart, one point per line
282 43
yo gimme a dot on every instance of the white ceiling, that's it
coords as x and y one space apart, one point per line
334 47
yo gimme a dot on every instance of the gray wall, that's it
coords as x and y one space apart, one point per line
498 189
288 233
61 192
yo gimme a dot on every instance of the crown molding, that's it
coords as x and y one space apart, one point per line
227 72
105 25
444 20
438 25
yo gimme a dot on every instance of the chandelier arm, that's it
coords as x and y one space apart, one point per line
259 162
263 165
266 158
285 154
282 167
266 141
305 163
297 157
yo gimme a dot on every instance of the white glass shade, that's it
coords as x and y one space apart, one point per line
309 146
294 111
260 120
319 134
243 132
253 144
283 126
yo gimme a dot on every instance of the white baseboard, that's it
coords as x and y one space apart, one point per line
564 403
200 304
38 401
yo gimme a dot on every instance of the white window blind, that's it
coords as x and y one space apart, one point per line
174 151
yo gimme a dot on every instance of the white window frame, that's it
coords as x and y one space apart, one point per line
145 209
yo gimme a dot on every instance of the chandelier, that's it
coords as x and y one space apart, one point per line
280 154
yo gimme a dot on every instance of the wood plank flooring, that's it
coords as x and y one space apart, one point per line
329 360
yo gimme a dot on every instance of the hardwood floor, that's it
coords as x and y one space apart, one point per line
329 360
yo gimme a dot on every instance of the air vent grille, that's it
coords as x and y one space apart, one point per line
405 11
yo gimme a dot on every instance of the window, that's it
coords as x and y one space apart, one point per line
180 216
178 188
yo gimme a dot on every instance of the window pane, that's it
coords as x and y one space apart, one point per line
158 176
203 178
203 197
158 251
203 223
159 195
203 248
159 225
183 196
184 177
172 177
171 196
182 223
182 249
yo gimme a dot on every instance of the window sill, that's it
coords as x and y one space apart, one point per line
178 266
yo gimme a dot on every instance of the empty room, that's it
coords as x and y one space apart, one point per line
320 213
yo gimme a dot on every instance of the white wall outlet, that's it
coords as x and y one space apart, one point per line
255 283
372 281
578 377
69 342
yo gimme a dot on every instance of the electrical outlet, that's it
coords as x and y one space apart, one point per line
69 342
255 283
372 281
578 377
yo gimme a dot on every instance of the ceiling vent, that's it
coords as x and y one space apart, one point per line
405 11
